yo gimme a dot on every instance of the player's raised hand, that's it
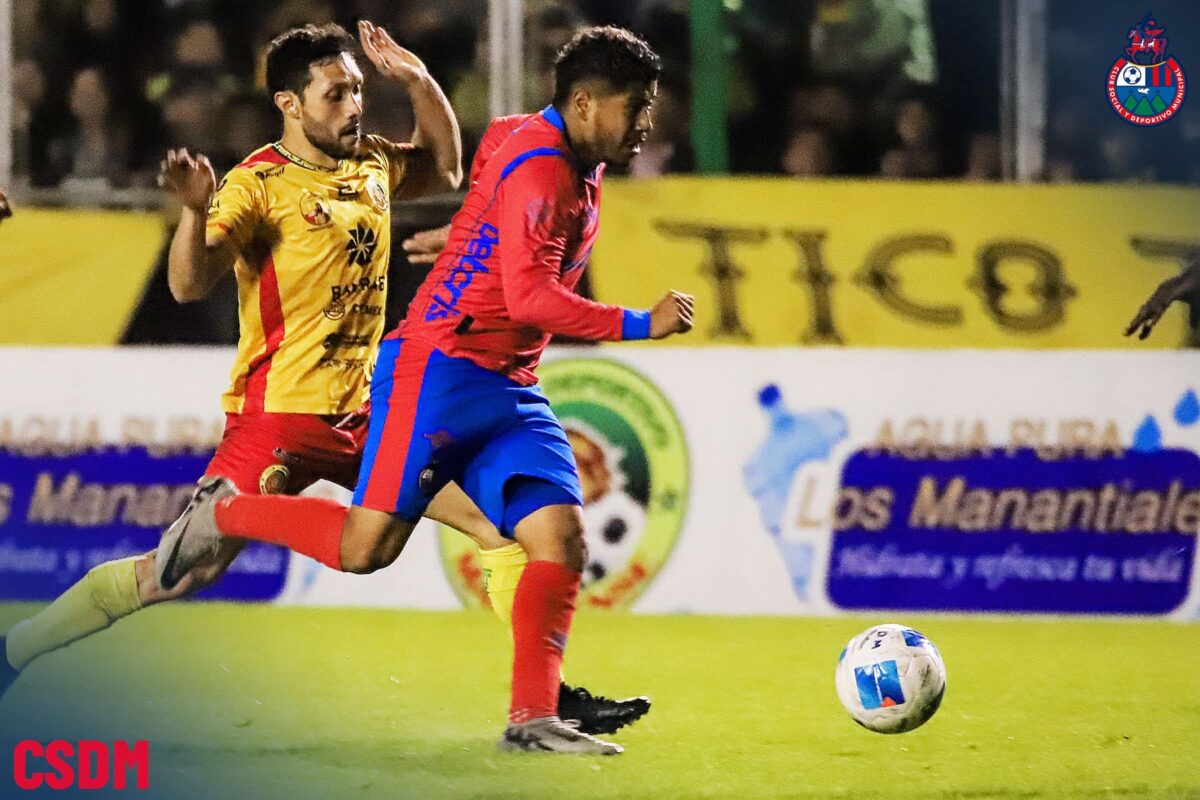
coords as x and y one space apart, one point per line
1167 292
392 60
673 314
189 178
424 247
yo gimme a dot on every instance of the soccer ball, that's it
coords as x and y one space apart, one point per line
891 679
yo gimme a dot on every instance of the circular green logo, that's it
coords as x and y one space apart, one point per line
633 466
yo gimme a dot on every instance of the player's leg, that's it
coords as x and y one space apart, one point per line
116 589
389 497
524 481
107 593
503 562
347 539
543 608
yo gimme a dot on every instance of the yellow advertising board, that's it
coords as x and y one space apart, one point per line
73 277
871 263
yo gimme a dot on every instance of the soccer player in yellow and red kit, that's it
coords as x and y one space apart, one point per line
453 398
305 226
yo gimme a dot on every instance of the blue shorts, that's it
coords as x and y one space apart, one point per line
436 419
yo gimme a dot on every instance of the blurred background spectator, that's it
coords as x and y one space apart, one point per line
899 88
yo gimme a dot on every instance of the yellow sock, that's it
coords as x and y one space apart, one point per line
502 570
103 596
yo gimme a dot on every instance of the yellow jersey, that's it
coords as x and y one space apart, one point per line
312 249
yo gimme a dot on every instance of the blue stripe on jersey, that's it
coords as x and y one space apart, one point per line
528 154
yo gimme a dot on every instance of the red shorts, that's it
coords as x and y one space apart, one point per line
266 453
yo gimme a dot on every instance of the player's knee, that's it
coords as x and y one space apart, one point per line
575 546
372 555
372 540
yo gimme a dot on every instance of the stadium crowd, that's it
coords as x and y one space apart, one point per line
817 87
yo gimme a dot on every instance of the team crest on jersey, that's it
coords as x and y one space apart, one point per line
315 210
378 195
274 479
1146 85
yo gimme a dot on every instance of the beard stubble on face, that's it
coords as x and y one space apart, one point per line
335 145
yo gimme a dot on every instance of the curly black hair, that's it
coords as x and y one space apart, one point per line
291 53
608 53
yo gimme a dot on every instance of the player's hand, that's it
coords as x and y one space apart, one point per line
392 60
1167 292
5 207
424 247
673 314
190 179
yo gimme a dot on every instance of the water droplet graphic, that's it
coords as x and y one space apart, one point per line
1187 410
1148 437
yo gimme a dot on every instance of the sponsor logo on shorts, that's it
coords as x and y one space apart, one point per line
634 471
274 479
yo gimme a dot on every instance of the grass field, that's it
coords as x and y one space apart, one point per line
262 702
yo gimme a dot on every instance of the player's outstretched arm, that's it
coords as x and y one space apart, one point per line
193 267
423 247
1170 290
437 165
5 207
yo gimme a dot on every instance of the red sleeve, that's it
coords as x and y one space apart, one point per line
535 203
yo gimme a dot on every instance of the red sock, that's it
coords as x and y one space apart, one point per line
312 526
541 619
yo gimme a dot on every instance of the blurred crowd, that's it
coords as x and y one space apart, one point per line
891 88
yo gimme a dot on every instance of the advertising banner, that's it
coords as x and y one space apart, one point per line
720 480
782 262
99 452
52 258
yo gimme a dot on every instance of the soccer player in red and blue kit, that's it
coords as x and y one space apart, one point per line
453 395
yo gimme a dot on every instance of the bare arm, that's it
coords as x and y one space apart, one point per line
437 164
5 208
1170 290
423 247
194 265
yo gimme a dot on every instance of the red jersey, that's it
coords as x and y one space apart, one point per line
517 248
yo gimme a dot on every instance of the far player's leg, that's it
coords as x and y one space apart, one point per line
503 562
347 539
107 593
116 589
544 605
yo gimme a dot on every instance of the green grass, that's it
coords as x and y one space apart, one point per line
265 702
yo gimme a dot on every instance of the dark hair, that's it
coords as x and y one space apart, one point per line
604 53
291 53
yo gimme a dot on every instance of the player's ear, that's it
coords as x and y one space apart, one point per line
582 100
288 102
